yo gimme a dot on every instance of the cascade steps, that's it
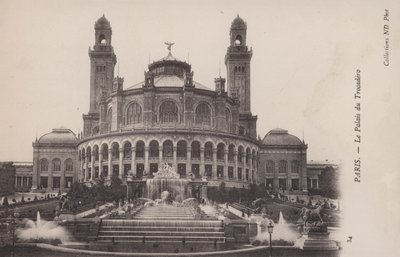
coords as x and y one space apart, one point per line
162 224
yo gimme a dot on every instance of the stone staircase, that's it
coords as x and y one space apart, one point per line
162 224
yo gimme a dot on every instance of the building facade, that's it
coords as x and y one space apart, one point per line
202 133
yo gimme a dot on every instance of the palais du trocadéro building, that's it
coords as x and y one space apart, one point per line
202 131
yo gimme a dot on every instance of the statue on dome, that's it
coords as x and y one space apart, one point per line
169 44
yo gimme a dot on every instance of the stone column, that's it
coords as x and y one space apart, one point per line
35 173
133 161
146 160
62 178
235 171
110 163
92 165
288 178
50 171
202 168
120 165
160 152
251 169
226 164
100 163
189 160
244 168
175 165
214 167
81 174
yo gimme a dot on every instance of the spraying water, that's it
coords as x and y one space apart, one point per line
42 229
282 230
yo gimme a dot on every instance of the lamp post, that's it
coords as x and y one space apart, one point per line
270 228
14 216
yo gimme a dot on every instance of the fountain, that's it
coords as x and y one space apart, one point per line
42 230
282 230
166 179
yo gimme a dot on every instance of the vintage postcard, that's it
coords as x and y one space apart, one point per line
199 128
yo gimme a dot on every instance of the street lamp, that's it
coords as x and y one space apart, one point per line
270 228
14 216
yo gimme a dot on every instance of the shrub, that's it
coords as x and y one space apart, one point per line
13 200
5 201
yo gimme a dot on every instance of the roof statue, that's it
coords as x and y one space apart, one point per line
169 44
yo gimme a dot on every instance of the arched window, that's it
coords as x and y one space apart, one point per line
238 40
228 118
153 149
196 150
109 118
96 152
115 151
89 154
270 166
208 151
282 166
102 40
127 150
69 165
220 152
56 165
181 149
44 165
295 166
203 115
83 154
104 152
140 149
134 114
231 150
240 154
168 149
168 112
248 156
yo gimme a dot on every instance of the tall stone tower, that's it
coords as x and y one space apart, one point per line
237 61
102 63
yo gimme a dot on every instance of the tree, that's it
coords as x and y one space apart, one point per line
329 183
118 191
100 190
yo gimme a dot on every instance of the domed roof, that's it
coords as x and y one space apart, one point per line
59 136
280 137
102 23
238 23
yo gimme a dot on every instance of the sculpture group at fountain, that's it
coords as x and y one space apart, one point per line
311 220
167 179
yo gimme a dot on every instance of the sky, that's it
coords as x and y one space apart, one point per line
305 57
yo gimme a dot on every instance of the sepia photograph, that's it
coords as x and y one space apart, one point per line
199 128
